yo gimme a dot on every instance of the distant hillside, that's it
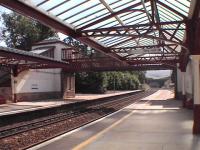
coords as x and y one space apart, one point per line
152 82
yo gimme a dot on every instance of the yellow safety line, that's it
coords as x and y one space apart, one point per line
96 136
91 139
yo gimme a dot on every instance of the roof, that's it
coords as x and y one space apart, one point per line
10 57
118 28
39 51
82 14
51 40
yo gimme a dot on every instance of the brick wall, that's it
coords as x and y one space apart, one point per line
6 92
38 96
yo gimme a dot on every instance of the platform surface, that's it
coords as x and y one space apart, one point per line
157 122
18 107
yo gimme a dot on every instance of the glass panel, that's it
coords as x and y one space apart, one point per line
118 41
70 5
128 43
82 12
104 23
36 2
168 14
176 6
50 4
78 9
123 4
91 19
113 39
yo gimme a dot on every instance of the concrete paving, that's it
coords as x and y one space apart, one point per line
157 122
18 107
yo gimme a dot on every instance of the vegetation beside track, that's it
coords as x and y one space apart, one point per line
100 82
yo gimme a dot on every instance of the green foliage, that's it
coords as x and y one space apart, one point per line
91 82
21 32
145 87
94 82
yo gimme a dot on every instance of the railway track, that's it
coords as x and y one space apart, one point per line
43 129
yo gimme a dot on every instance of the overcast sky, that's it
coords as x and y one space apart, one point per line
158 74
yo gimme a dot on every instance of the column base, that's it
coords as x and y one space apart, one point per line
14 98
178 96
196 125
184 101
69 94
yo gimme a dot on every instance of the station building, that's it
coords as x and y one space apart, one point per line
41 84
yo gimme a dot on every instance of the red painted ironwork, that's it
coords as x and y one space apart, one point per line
133 27
193 31
165 59
110 16
26 60
162 33
104 64
43 18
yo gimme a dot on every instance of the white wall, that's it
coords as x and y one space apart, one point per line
189 78
179 81
38 80
57 50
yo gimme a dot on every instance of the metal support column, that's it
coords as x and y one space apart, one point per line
175 84
14 74
183 89
195 64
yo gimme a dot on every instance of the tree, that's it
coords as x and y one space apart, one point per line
99 82
21 32
91 82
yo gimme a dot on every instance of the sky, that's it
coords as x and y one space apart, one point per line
151 74
158 74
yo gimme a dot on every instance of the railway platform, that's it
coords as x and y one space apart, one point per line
19 107
156 122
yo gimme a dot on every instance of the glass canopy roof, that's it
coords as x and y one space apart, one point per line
134 25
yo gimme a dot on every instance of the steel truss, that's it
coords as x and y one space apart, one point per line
117 31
